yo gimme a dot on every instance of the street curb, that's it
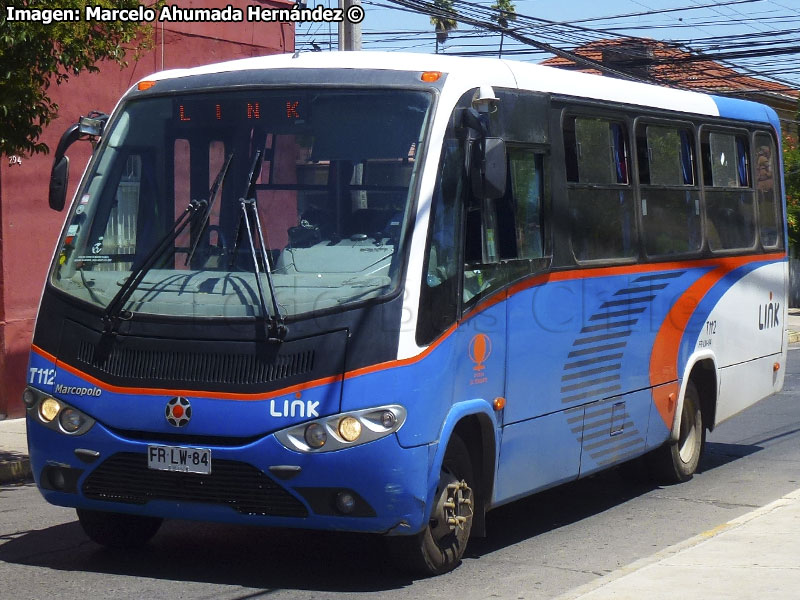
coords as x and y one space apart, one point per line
605 580
15 470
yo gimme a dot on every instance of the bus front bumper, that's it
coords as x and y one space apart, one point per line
377 487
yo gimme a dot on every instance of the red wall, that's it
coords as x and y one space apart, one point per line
29 229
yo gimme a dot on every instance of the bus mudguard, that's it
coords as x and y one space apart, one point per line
459 411
693 360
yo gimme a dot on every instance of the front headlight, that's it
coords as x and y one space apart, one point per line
71 420
349 429
56 414
48 409
343 430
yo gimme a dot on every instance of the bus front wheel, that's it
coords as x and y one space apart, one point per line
116 530
439 547
676 462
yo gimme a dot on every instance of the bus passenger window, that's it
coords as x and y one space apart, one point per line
600 196
730 210
769 208
670 196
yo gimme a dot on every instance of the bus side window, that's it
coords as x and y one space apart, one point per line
600 196
527 186
670 194
438 307
730 210
769 208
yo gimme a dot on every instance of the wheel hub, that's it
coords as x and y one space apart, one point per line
453 509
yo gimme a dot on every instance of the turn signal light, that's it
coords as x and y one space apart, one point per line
499 403
776 367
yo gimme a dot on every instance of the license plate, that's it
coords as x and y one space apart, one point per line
179 458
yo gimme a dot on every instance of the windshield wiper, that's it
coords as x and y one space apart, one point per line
275 329
114 311
212 197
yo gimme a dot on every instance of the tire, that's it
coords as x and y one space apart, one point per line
116 530
676 462
439 547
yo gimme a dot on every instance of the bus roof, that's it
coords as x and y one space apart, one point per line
471 72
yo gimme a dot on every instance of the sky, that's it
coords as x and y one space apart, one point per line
767 27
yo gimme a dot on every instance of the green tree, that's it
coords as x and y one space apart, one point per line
35 55
506 11
443 25
791 169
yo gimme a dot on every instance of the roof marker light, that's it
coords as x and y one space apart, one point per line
145 85
431 76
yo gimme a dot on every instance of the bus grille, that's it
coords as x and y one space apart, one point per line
199 368
124 477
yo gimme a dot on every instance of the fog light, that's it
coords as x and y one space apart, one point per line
315 435
388 419
29 397
345 503
71 420
57 479
49 409
350 429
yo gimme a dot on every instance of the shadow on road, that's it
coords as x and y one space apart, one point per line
270 559
717 454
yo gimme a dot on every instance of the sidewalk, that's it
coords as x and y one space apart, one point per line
14 463
752 557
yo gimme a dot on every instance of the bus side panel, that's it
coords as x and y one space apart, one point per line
579 340
538 453
615 430
582 342
741 317
745 384
740 320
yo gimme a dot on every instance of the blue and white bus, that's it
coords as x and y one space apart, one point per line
389 292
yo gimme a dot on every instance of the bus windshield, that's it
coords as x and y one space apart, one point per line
337 168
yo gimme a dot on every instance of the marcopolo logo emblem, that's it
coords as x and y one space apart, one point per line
178 411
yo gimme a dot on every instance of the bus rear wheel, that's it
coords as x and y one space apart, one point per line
116 530
676 462
439 547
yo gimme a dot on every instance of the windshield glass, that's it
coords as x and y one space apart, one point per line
336 172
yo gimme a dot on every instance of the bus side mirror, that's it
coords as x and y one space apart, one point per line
91 126
489 169
59 179
59 174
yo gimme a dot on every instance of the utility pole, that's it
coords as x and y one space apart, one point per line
349 33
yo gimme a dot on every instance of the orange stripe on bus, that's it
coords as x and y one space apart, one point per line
664 357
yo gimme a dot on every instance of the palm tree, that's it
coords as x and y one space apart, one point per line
443 25
506 11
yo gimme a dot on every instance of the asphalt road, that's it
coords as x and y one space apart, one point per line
537 548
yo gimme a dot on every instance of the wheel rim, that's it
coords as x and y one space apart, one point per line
687 441
453 510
